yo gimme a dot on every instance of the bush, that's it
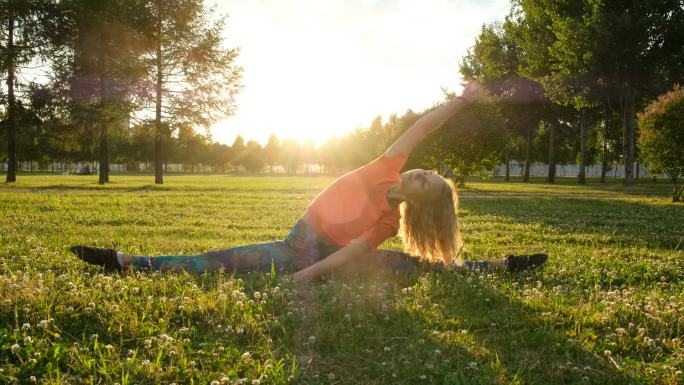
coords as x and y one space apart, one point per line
661 137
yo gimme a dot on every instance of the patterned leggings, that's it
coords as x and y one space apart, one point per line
302 248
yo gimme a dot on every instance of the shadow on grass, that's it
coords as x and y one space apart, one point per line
623 222
451 330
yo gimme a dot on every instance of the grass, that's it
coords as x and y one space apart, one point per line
608 308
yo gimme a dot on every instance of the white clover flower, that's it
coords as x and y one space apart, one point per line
25 327
387 348
28 340
148 343
607 353
256 382
43 324
246 356
224 380
215 383
423 377
109 347
312 339
15 348
472 365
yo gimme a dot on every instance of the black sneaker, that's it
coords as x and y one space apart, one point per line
98 256
524 262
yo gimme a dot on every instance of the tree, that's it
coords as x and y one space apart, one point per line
98 68
237 151
661 137
291 156
495 61
254 160
471 141
272 151
194 78
25 28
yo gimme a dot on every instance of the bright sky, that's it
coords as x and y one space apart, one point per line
318 68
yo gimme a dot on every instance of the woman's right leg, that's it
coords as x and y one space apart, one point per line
255 257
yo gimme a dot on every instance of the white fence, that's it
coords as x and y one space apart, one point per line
516 168
592 171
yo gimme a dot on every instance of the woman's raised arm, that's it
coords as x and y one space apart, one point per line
429 122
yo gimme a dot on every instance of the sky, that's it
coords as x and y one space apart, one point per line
314 69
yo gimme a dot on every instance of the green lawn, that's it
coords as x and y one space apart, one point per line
608 308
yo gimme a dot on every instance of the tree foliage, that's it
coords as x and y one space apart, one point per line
661 136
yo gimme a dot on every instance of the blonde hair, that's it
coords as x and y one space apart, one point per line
430 229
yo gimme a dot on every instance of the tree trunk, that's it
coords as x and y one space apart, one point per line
604 162
551 176
508 168
158 177
11 121
104 146
628 139
676 190
461 180
636 177
104 154
581 176
528 154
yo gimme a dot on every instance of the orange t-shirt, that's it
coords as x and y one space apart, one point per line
356 204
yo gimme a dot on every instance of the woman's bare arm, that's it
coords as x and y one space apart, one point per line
429 122
346 254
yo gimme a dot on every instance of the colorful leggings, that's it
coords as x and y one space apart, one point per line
302 248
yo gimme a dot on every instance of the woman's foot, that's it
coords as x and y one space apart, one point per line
524 262
97 256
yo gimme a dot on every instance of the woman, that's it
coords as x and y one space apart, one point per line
345 223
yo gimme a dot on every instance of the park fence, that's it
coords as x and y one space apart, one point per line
517 168
538 169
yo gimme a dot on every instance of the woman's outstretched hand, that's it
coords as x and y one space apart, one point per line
470 90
